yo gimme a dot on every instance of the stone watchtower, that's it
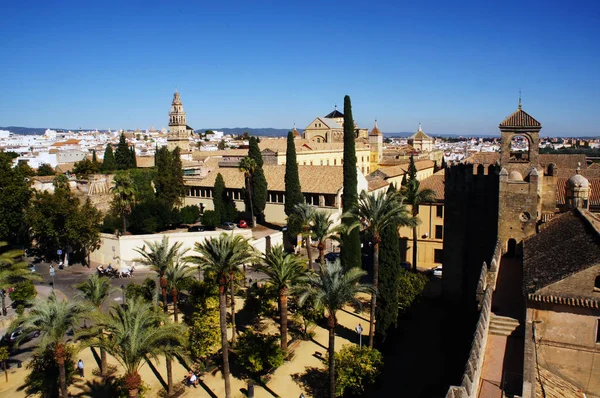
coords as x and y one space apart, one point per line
178 130
520 190
376 148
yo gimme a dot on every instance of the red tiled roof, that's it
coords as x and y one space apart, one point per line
435 182
561 190
520 118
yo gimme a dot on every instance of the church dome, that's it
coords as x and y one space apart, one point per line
578 181
515 176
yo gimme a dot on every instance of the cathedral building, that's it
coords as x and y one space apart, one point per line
179 132
330 128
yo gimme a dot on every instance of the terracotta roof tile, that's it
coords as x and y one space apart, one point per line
567 244
554 386
437 183
563 161
520 118
561 191
313 179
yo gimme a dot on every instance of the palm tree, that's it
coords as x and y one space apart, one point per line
13 270
323 228
53 319
333 288
124 196
415 197
158 257
283 270
377 212
223 257
136 333
305 214
178 275
95 290
248 166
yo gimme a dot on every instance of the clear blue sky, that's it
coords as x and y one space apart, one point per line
455 66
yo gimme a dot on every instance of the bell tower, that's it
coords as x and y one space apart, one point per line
376 148
178 130
520 191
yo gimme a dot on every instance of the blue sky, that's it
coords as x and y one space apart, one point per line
454 66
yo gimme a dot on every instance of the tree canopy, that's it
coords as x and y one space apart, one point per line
14 200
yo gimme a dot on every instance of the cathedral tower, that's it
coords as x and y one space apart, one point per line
376 146
520 191
179 131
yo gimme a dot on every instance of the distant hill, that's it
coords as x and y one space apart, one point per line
263 132
28 130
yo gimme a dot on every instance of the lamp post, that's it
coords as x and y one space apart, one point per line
123 294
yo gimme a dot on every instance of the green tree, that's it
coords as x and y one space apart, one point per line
179 276
58 221
350 255
356 368
108 161
14 269
15 196
189 214
95 290
169 177
159 257
283 270
386 312
248 166
333 288
258 353
293 191
122 154
414 196
84 168
210 219
221 146
259 181
410 288
305 214
377 212
133 157
218 196
323 229
222 257
123 196
53 319
45 169
94 157
44 372
204 330
135 334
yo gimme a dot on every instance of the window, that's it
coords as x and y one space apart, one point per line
597 284
321 162
439 211
438 256
335 162
598 332
439 232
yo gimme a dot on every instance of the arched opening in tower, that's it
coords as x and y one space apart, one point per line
519 149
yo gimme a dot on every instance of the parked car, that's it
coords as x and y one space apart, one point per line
19 331
406 265
228 225
437 271
196 228
243 224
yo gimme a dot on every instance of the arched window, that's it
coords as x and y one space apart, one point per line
551 169
597 284
480 170
519 149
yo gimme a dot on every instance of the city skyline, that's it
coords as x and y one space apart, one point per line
455 68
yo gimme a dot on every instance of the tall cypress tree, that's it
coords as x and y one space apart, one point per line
94 158
123 154
218 194
108 163
259 182
133 159
386 312
293 191
350 255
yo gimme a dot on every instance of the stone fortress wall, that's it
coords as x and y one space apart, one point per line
469 387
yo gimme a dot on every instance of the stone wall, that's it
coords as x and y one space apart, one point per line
469 387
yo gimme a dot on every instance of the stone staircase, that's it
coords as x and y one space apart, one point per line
505 326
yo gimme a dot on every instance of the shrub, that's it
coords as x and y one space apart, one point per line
211 219
23 292
204 330
189 214
356 368
147 290
259 302
259 353
410 287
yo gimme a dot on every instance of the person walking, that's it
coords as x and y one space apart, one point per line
80 367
